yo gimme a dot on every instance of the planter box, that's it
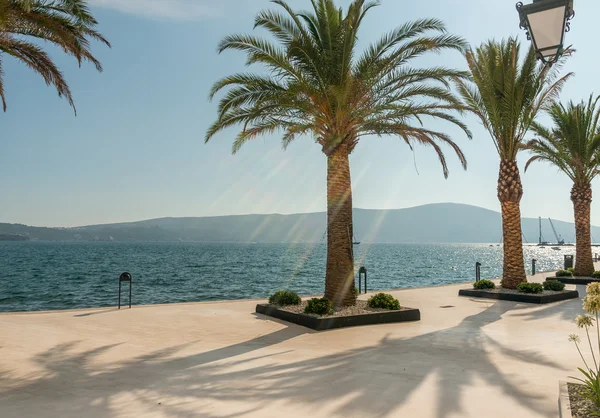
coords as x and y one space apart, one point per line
521 297
322 324
564 402
574 280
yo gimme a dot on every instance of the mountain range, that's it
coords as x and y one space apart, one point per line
442 223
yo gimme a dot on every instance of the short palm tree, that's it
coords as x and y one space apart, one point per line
573 146
66 23
507 94
317 84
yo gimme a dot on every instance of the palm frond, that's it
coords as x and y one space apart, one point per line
572 144
507 93
39 61
315 83
68 24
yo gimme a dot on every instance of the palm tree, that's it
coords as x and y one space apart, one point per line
317 85
66 23
507 95
573 146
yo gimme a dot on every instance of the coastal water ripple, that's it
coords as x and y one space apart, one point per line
47 276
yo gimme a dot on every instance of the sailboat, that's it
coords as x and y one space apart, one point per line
560 242
541 242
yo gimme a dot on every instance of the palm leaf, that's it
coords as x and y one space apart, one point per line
572 144
506 93
314 82
68 24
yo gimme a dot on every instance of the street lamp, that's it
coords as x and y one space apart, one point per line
545 22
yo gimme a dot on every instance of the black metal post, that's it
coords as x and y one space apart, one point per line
533 266
129 294
477 271
361 271
568 261
125 277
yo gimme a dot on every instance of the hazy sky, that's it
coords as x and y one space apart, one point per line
136 150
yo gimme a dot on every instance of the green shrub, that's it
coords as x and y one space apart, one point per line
571 269
284 298
530 288
355 291
383 301
596 275
564 273
484 284
554 285
319 307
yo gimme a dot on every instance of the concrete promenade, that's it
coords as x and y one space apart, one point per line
465 358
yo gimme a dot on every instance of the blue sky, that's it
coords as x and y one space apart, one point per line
136 150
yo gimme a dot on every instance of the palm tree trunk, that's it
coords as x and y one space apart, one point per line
339 274
582 199
510 192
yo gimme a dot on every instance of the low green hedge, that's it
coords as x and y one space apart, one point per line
383 301
596 275
530 288
322 306
284 298
554 285
564 273
484 284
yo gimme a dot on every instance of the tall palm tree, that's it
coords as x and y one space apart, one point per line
317 84
507 94
66 23
573 146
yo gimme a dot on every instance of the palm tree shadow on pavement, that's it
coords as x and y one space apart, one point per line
372 381
566 311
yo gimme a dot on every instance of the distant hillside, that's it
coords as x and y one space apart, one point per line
445 222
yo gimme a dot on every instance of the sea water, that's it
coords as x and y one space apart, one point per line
49 275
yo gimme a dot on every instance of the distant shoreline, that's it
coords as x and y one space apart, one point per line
364 243
10 237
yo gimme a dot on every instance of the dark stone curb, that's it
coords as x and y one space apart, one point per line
521 297
322 324
574 280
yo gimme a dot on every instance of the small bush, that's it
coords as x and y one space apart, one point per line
530 288
596 275
484 284
319 307
285 298
554 285
571 269
564 273
383 301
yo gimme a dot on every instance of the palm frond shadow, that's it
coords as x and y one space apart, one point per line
371 381
566 311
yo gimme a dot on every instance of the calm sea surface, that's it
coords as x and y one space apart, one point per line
45 276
